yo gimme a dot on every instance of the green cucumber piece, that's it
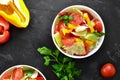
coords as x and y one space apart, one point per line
92 37
58 40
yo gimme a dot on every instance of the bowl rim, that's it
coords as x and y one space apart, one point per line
12 67
101 39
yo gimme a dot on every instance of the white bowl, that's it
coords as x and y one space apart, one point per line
95 15
13 67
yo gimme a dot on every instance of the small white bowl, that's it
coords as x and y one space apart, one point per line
13 67
95 15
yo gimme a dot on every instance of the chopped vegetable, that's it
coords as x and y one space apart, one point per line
91 37
58 39
63 67
86 17
17 74
15 12
98 25
4 31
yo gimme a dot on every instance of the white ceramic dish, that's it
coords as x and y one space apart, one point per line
95 15
13 67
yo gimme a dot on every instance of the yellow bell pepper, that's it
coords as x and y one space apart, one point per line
89 42
90 24
15 12
78 40
65 31
70 26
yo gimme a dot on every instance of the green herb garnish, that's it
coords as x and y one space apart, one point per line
66 18
63 66
99 34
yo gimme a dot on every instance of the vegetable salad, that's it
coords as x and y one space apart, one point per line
22 73
77 32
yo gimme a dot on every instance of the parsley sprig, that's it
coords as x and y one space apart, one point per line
66 18
63 67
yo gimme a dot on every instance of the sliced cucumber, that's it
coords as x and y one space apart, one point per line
58 40
91 37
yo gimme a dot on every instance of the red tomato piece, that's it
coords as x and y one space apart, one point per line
86 47
90 16
77 19
68 41
108 70
39 78
4 33
98 25
60 25
17 74
6 76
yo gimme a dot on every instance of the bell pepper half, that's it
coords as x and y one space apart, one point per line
15 12
4 33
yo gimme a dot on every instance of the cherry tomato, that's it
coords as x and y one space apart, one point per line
68 41
98 25
4 33
108 70
17 74
39 78
90 16
77 19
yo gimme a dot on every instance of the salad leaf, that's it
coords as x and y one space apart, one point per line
63 67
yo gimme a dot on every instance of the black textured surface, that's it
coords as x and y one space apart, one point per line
21 48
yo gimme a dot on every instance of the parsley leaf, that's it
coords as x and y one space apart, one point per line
63 66
44 51
47 60
66 18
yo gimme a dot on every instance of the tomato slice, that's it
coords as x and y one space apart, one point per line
17 74
39 78
90 16
68 41
98 25
77 19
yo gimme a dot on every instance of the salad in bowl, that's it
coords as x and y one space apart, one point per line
78 31
22 72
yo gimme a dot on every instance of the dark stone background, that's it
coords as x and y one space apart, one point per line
23 43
